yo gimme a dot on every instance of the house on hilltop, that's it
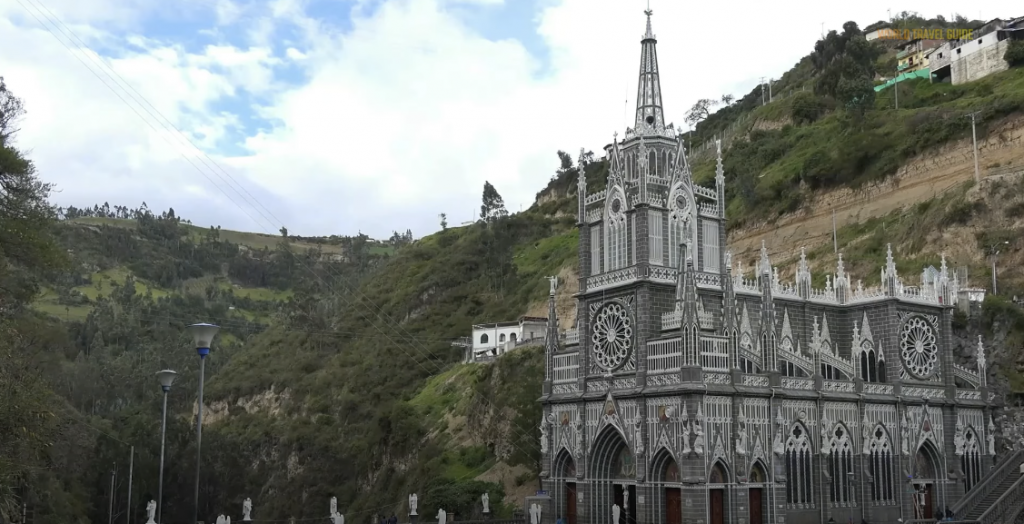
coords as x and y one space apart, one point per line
490 341
966 60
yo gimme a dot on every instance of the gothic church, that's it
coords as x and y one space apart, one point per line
694 391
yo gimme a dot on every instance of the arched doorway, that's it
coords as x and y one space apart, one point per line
926 468
717 479
668 492
565 486
613 470
755 493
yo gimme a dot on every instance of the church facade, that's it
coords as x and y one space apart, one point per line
692 390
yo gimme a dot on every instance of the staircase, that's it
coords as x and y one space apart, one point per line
998 497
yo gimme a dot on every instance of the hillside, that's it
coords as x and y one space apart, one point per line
334 373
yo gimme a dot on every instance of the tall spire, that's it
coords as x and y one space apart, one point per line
649 113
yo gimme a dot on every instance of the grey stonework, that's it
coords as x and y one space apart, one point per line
622 427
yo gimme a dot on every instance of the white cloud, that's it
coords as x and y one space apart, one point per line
397 119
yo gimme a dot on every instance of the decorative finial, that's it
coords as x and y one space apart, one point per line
981 356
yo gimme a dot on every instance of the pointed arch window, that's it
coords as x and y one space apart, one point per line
872 363
970 461
880 466
840 466
616 249
799 470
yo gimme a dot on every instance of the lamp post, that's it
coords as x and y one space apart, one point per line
202 336
166 378
994 252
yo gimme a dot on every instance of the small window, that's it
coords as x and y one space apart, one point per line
501 337
512 337
980 41
484 338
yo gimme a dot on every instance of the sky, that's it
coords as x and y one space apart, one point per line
372 116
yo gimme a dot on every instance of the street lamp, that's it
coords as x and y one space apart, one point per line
202 336
994 252
166 378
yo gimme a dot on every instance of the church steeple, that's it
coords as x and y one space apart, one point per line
649 113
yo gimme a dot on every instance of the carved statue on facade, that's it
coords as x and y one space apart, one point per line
865 433
638 437
544 437
777 445
151 512
905 437
826 427
698 437
741 435
990 436
412 504
958 438
577 442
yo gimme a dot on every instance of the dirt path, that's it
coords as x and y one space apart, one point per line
921 179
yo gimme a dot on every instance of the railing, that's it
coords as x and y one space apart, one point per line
566 368
1007 507
572 337
664 355
714 353
971 499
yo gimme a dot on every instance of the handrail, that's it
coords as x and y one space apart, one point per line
1007 506
970 500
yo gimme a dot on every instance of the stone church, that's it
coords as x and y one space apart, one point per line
695 391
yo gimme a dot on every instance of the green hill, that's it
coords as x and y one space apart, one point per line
334 372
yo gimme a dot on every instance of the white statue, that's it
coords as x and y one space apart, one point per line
247 510
442 516
220 519
334 506
638 437
486 499
698 440
151 512
741 435
554 284
544 437
227 520
336 518
412 504
535 514
616 512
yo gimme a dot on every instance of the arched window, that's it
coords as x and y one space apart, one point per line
970 461
616 253
880 466
840 466
484 338
512 337
501 337
872 363
652 163
799 471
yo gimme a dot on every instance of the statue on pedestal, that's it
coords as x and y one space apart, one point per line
247 510
336 518
442 516
616 512
412 504
486 499
535 513
220 519
151 512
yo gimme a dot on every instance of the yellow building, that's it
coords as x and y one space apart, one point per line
913 55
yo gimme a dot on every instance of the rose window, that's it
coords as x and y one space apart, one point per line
612 336
918 347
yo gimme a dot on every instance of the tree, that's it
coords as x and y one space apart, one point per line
444 221
728 99
493 206
1014 55
700 111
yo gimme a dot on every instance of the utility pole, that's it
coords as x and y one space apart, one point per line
762 90
835 238
896 86
977 172
131 469
770 80
110 510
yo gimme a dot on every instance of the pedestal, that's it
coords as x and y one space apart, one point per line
414 519
487 515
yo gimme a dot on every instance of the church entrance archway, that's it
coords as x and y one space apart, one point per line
668 493
717 479
926 468
565 486
614 479
755 493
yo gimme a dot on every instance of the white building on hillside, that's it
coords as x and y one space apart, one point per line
492 340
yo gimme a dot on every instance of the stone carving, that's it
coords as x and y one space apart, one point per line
958 437
336 518
535 513
544 437
151 512
865 434
778 447
638 437
223 520
486 500
741 435
918 347
905 436
991 436
825 426
247 509
412 504
612 336
577 438
698 433
442 516
554 284
616 512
